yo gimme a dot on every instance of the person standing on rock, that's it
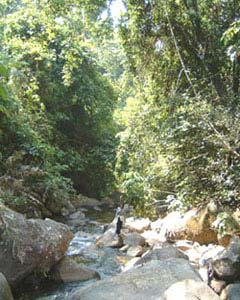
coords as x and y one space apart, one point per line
120 217
119 223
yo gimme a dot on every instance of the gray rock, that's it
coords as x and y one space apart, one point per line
209 253
225 269
134 239
83 201
67 270
233 250
135 251
164 253
5 291
29 245
109 239
77 219
231 292
130 264
152 237
77 215
137 224
147 282
190 290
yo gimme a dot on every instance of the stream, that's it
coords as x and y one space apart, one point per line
106 261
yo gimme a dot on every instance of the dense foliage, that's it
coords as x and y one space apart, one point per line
181 141
57 130
167 74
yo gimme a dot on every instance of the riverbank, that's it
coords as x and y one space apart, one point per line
177 243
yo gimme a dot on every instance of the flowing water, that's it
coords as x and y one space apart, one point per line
106 261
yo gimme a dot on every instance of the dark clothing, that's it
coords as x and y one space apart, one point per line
119 225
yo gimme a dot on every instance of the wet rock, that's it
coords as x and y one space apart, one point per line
29 245
67 270
190 290
110 239
134 239
77 219
106 238
77 215
5 291
167 252
137 225
117 242
231 292
147 282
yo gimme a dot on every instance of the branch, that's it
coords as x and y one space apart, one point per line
180 56
223 140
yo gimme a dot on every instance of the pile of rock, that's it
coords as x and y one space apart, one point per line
161 275
174 243
30 249
224 271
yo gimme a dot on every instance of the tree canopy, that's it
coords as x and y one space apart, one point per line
148 106
181 140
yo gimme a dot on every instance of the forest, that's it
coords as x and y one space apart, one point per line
146 105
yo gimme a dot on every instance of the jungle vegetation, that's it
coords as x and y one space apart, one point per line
148 105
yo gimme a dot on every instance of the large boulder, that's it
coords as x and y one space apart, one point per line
199 225
225 269
167 252
29 245
5 291
190 290
67 270
173 227
84 201
195 225
77 219
147 282
137 224
225 264
152 237
134 239
222 265
231 292
109 239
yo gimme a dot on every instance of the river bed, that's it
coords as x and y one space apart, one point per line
106 261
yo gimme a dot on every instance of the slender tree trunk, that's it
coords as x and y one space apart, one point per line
209 64
236 75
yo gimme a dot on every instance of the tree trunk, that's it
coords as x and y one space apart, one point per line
236 75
